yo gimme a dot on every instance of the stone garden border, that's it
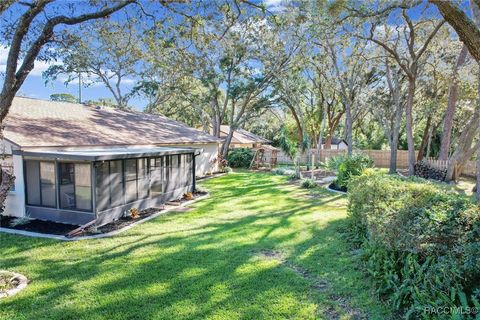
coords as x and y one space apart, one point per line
22 284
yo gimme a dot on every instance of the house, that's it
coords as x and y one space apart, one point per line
242 138
337 144
75 163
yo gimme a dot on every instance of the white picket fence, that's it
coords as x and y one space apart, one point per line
469 169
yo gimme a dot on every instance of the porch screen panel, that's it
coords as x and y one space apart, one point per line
47 184
32 171
130 180
156 176
116 183
143 181
174 168
67 185
188 168
83 186
102 186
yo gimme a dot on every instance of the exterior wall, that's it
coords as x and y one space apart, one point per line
242 145
106 216
175 181
205 162
342 146
15 203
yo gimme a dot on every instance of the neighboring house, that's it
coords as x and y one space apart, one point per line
337 144
75 163
242 138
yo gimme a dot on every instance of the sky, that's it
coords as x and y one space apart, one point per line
35 86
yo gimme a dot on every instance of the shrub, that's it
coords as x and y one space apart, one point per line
240 157
227 169
348 166
420 240
20 221
309 183
292 175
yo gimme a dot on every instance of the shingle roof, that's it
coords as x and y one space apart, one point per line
42 123
243 136
336 140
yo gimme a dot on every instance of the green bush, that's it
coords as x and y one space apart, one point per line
240 157
309 183
348 166
420 241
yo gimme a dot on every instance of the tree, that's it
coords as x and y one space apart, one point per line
388 105
107 52
35 28
409 63
65 97
465 27
452 105
31 32
352 73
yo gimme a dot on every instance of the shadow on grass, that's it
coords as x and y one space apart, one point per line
196 265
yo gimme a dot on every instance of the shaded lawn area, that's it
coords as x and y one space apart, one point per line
258 248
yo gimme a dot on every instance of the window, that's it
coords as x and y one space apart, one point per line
130 180
102 185
32 171
115 183
47 184
156 176
75 186
40 177
83 186
143 179
136 179
67 185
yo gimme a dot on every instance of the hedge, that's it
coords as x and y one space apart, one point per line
420 243
240 157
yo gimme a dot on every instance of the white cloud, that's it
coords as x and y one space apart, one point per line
275 5
39 66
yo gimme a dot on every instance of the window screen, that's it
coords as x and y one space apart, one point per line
47 184
83 186
32 171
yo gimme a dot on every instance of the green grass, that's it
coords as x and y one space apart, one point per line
258 248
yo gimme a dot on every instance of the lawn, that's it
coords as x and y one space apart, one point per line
258 248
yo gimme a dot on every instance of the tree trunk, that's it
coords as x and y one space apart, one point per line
394 139
320 137
328 140
451 106
467 31
298 123
409 126
6 184
348 126
478 175
424 143
226 143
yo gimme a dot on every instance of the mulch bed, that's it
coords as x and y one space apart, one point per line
338 188
47 227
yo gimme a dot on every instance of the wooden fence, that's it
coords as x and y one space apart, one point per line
381 158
